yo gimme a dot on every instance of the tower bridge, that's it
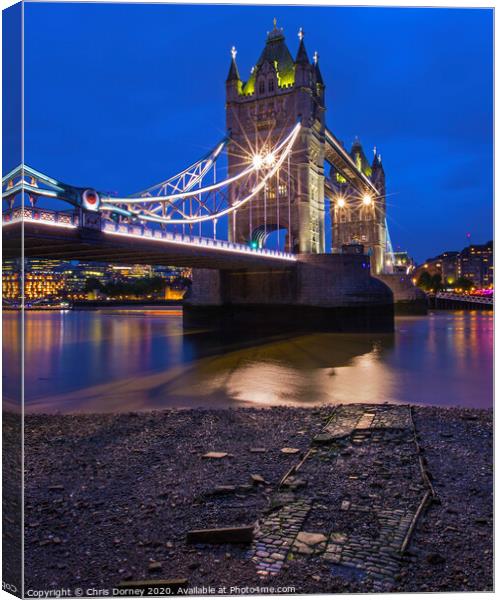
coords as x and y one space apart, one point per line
251 234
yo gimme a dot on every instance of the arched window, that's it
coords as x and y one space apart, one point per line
270 85
262 86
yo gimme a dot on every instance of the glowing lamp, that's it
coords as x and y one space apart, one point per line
257 161
340 202
269 159
367 200
254 245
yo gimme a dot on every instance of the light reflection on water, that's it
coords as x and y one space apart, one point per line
135 359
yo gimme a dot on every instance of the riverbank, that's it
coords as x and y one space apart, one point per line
110 498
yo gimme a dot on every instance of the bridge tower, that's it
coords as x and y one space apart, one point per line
361 219
260 112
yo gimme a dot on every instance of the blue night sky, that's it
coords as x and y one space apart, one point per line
119 97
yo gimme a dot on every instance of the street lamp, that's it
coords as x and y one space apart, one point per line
367 200
340 202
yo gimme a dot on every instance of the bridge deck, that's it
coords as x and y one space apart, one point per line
44 240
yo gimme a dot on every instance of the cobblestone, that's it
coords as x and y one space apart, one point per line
282 537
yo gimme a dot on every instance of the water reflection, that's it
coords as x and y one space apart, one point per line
134 359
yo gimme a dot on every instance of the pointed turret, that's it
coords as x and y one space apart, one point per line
233 81
303 68
233 74
319 78
358 156
301 58
378 175
377 160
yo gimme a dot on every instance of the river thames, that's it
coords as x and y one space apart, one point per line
132 359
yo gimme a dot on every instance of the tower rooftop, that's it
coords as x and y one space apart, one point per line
277 54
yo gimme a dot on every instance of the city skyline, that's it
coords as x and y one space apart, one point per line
133 110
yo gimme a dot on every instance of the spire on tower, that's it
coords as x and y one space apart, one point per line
377 158
233 74
319 77
301 58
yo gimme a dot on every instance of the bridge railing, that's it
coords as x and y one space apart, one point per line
68 218
142 231
474 298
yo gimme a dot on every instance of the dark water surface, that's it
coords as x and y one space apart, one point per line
134 359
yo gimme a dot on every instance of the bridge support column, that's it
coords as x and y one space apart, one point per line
320 292
408 298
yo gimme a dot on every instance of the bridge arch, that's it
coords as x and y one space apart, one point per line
270 236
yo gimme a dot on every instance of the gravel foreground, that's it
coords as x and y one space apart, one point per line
110 498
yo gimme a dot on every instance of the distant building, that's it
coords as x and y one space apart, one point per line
433 266
40 280
449 267
36 286
130 271
53 279
476 263
11 266
40 265
445 265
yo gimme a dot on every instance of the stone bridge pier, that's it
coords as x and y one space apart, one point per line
408 298
319 292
